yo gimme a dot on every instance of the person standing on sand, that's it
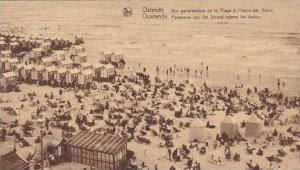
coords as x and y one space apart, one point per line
170 154
3 134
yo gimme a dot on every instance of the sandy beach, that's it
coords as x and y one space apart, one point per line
251 53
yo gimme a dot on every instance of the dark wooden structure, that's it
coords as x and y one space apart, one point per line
107 152
12 161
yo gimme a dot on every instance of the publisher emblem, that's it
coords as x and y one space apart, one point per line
127 12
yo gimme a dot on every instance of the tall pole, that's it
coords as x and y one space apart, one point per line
42 154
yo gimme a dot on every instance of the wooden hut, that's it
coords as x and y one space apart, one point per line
26 71
2 64
67 63
198 131
72 75
85 77
14 46
46 46
6 54
47 61
3 46
253 127
59 55
79 58
12 161
118 60
107 152
48 74
229 127
9 79
76 49
108 72
18 69
37 72
11 63
97 67
36 53
105 56
60 75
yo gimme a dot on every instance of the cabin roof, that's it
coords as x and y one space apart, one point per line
86 64
67 61
20 65
87 72
39 67
51 68
28 67
97 65
74 71
81 54
62 70
6 52
37 49
9 74
58 52
12 161
95 141
47 59
109 66
78 47
13 60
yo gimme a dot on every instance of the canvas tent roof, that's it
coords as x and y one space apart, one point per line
228 120
12 161
253 119
53 141
198 123
95 141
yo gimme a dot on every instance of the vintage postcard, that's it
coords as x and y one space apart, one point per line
150 85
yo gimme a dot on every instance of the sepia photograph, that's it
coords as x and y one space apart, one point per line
150 85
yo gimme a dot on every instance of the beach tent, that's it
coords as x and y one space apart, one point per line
229 126
253 127
198 131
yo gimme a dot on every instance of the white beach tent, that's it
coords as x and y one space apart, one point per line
253 127
229 126
198 131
